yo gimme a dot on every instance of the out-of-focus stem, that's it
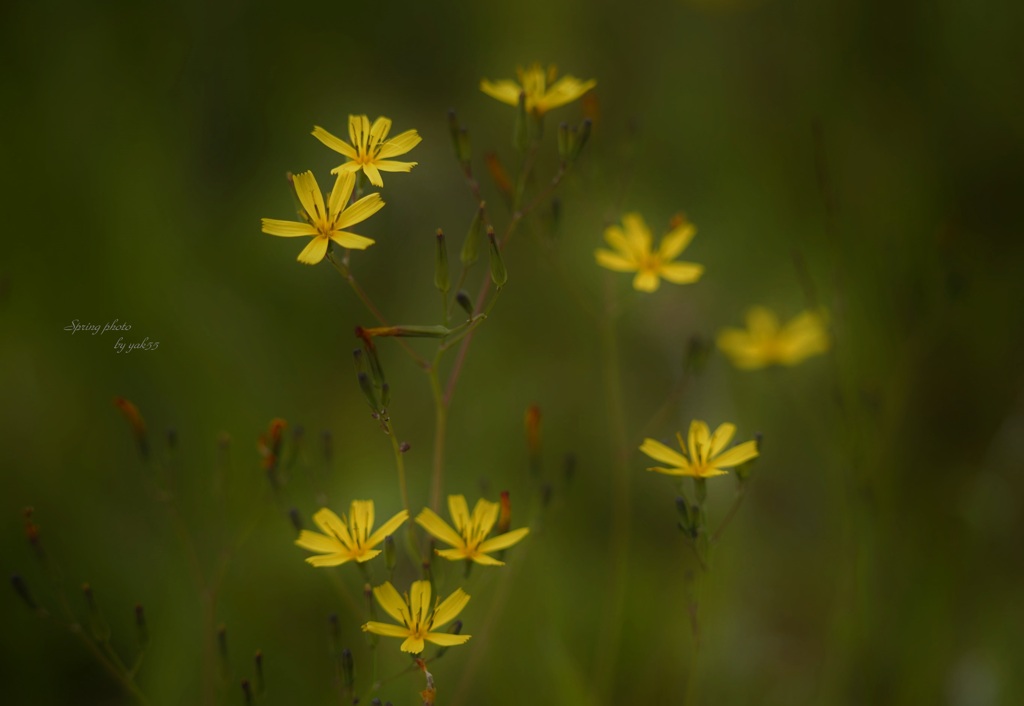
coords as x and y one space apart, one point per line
608 641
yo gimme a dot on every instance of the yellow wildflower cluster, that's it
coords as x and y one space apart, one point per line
326 221
352 538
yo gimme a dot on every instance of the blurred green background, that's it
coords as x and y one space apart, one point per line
877 559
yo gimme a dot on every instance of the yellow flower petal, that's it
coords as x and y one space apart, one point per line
340 194
352 241
392 603
388 527
659 452
445 639
358 131
698 442
504 91
332 526
646 281
503 541
614 261
681 272
316 542
738 454
287 229
458 510
485 514
721 438
487 560
419 602
438 528
399 144
359 211
450 607
373 175
380 129
413 645
309 195
386 629
455 554
335 143
637 232
676 241
324 560
390 166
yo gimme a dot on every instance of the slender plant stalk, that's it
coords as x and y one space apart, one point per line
608 641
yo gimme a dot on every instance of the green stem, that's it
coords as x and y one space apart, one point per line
342 268
404 489
440 432
608 644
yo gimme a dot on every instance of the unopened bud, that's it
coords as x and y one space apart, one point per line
683 508
463 299
258 660
498 174
348 668
21 588
441 279
580 139
505 514
532 424
368 392
247 691
390 554
138 425
499 275
295 518
564 145
404 446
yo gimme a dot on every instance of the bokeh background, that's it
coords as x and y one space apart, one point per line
864 156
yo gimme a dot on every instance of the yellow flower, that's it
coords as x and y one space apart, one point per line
347 538
469 536
417 616
326 223
765 343
703 455
542 91
633 253
370 150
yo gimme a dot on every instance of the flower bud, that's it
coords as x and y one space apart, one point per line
441 280
499 275
462 297
505 514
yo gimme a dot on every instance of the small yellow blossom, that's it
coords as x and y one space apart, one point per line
542 91
469 536
417 616
765 343
632 244
347 538
703 454
328 223
369 149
